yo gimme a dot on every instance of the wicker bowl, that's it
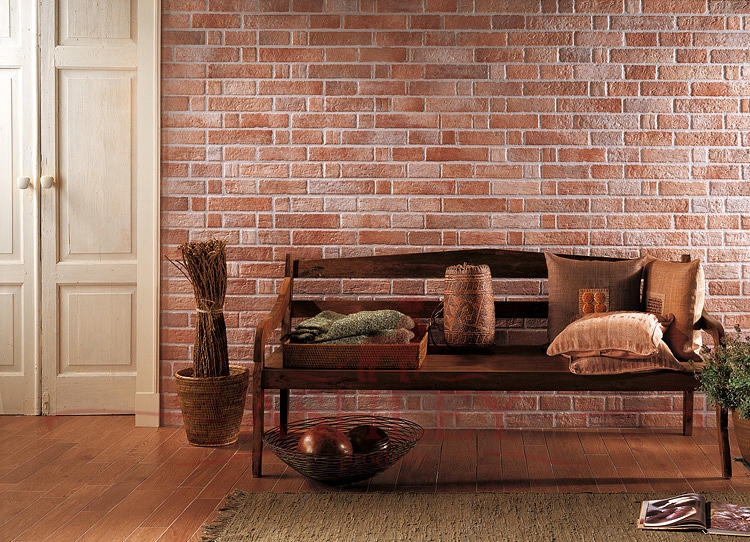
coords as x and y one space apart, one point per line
344 469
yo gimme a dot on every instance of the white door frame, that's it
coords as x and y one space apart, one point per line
147 396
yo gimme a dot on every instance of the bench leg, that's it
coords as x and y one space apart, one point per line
258 414
283 409
687 412
722 427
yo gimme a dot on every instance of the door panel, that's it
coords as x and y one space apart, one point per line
86 20
96 160
89 254
19 382
96 311
8 119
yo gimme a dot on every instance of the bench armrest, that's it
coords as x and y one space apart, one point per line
268 324
712 326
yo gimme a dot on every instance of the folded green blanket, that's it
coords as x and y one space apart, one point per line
383 326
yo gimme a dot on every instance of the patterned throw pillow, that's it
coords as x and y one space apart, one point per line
621 334
678 289
588 286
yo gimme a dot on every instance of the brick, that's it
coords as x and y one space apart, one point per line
443 154
456 222
456 71
487 205
216 20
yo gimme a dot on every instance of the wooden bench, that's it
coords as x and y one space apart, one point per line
511 368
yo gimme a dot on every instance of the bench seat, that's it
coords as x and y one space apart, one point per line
497 369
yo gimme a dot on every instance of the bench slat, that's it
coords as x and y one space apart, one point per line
495 371
505 264
416 308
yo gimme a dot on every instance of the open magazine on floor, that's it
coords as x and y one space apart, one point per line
691 512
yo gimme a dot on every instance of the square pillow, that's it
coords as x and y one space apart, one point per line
603 365
588 286
679 289
613 334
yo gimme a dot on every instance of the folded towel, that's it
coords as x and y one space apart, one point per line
364 326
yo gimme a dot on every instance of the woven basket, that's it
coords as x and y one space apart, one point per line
742 431
355 356
469 306
212 407
344 469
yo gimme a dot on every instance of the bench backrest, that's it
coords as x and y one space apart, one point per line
374 282
506 264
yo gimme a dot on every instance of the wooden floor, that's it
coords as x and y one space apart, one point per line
102 479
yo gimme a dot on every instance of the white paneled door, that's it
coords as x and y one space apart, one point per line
19 233
81 292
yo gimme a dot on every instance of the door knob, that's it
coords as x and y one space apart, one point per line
47 181
23 182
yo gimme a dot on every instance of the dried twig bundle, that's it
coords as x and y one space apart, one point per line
205 265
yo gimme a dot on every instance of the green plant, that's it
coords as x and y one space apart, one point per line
725 378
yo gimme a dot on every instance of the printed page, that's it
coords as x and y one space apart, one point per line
727 518
683 512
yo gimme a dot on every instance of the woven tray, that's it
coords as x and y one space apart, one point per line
338 470
356 356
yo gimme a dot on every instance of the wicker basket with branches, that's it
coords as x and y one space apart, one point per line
212 393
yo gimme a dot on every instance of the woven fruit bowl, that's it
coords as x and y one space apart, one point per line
402 435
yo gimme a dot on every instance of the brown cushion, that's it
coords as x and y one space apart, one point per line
613 334
582 286
663 359
678 289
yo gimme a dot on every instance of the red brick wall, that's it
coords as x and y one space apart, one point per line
343 127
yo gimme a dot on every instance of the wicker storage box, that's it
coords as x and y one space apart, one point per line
356 356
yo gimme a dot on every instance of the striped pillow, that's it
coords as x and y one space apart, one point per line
620 334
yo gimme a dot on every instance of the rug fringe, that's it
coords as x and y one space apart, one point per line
231 505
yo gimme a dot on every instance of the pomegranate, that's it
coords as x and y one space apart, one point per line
368 438
323 439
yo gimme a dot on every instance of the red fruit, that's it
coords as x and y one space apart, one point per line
368 438
323 439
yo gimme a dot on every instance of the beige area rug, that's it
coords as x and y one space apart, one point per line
432 517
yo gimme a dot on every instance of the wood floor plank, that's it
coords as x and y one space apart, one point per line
420 466
656 465
16 501
386 480
39 461
51 517
458 461
73 464
75 527
101 478
170 509
146 534
489 460
539 467
126 516
187 526
213 463
569 464
29 516
693 463
627 467
177 468
605 475
227 477
513 461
